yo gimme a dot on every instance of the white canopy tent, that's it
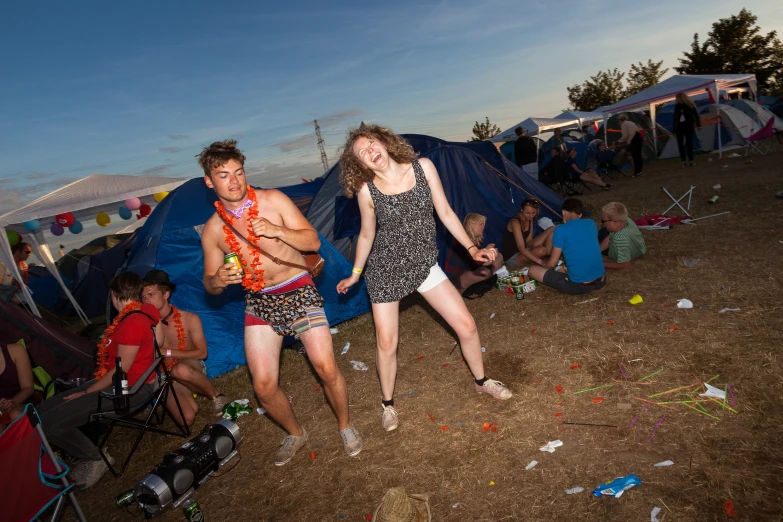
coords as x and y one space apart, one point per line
583 117
668 89
534 127
83 198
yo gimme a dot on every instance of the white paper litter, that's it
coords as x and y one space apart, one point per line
483 350
723 311
690 263
502 271
551 445
260 411
684 303
545 223
346 348
577 489
712 391
664 464
455 506
654 514
716 187
733 155
492 315
333 330
531 465
359 365
587 301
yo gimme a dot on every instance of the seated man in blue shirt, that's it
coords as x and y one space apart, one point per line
577 240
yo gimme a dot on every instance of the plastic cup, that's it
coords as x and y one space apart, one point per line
636 299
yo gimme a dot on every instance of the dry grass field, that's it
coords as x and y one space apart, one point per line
533 346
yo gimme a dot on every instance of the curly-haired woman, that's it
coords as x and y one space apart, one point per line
397 193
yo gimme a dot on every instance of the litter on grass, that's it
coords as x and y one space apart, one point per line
664 464
359 365
684 303
690 263
572 491
492 315
587 301
618 486
723 311
531 465
636 299
345 348
712 391
333 331
235 409
551 445
654 514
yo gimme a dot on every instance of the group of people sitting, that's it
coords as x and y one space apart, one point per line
146 319
585 250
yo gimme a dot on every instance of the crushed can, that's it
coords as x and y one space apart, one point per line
193 511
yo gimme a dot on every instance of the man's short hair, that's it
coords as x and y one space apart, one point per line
519 131
20 246
127 286
615 211
573 205
218 154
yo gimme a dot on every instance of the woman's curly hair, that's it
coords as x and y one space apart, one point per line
353 173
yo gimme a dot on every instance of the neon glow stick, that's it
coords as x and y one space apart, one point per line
655 429
596 388
703 413
622 372
656 372
670 391
733 402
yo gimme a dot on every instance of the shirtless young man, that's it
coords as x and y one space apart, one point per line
183 357
279 300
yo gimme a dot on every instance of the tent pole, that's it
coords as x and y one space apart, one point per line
43 253
654 137
718 126
7 258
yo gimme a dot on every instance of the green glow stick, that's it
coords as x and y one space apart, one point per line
656 372
596 388
702 412
670 391
712 379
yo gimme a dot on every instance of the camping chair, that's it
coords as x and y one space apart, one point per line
151 421
762 139
31 477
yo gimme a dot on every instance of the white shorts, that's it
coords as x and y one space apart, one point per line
436 277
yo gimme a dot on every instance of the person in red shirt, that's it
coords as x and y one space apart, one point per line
130 337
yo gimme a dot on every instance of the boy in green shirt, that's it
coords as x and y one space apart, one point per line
625 241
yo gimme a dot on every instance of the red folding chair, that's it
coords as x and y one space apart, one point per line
32 480
762 139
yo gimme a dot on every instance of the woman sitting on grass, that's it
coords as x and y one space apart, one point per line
462 269
523 239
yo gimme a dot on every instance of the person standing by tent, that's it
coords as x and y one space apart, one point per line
396 194
280 300
632 137
181 340
686 119
525 154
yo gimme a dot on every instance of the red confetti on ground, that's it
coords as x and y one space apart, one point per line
558 414
610 322
446 365
559 389
672 329
728 507
598 400
431 416
538 382
494 428
368 517
664 305
316 387
533 331
467 371
444 428
459 490
574 366
419 357
559 404
313 455
539 297
485 427
428 381
490 426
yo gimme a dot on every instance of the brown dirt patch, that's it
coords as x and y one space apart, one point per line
738 458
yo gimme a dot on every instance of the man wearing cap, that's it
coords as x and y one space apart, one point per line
182 343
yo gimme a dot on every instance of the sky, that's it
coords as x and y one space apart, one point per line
141 87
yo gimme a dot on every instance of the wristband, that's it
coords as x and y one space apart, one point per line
357 270
471 246
168 352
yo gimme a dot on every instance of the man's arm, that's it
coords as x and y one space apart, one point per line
605 243
296 230
554 257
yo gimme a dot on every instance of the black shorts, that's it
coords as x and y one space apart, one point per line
560 281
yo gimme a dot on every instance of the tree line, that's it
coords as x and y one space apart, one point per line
733 45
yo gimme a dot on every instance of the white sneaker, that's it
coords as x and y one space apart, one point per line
389 420
87 472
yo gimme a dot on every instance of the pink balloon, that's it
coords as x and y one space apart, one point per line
133 203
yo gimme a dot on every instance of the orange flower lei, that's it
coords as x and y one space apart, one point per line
249 282
177 317
102 356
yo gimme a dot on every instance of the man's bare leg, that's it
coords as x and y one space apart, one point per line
262 350
186 401
318 343
189 373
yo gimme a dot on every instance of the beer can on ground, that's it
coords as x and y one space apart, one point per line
234 260
193 511
125 499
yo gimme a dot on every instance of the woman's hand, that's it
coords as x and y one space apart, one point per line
348 282
540 262
484 255
7 405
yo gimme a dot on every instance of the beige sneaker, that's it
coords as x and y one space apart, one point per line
389 420
352 441
495 388
289 447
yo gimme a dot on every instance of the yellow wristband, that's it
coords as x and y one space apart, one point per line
356 270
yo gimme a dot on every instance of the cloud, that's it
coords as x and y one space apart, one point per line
9 202
279 175
179 136
308 140
155 171
172 150
332 119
